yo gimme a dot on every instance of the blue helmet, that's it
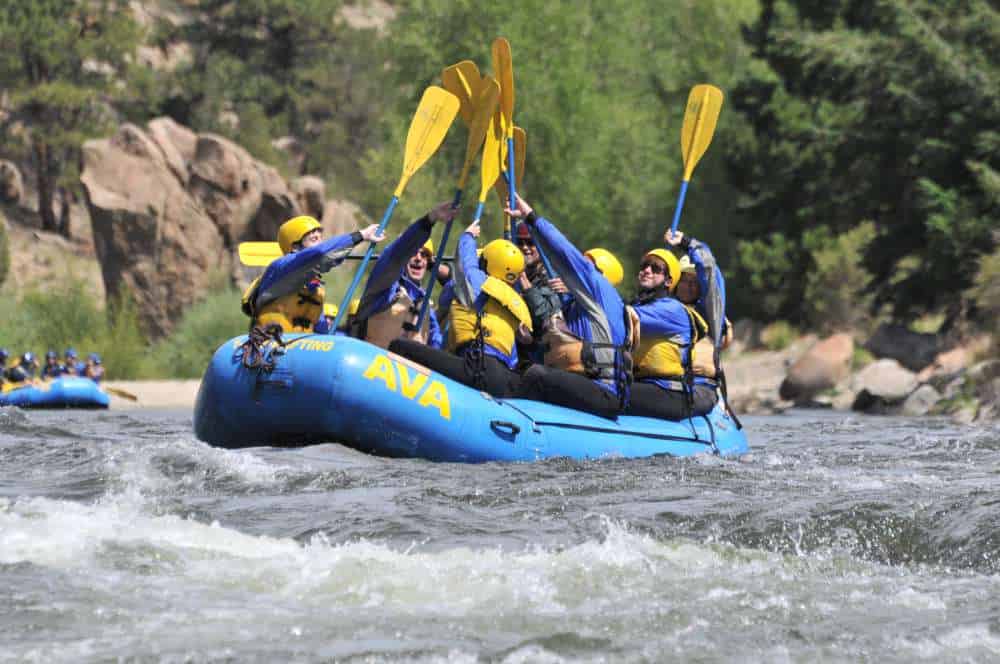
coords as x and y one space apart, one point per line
51 355
4 354
28 358
95 358
71 354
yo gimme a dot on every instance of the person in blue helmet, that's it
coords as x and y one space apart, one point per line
52 368
589 342
393 294
24 370
94 370
71 363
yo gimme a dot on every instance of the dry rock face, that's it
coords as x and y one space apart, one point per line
168 208
882 385
821 367
11 182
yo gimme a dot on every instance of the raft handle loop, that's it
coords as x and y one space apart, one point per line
503 427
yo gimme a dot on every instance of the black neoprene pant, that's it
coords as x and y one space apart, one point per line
571 390
498 380
651 400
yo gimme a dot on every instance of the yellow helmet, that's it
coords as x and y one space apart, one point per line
355 305
294 230
503 260
673 265
606 264
687 267
330 309
429 246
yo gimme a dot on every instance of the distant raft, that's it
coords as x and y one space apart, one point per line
339 389
62 392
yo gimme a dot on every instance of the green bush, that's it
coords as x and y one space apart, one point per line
985 294
778 335
205 326
837 288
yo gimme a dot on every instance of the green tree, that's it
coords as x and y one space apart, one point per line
884 111
284 67
64 64
600 90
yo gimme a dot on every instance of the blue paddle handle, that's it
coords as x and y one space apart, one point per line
680 205
511 181
479 212
345 304
437 260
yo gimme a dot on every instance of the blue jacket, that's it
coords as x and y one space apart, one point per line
664 318
704 262
596 312
468 289
288 274
389 274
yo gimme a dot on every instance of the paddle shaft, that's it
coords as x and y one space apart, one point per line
437 259
680 204
344 305
511 186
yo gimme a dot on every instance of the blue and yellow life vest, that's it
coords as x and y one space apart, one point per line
498 319
659 357
295 312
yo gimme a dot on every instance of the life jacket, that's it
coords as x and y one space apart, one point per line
703 357
564 350
384 327
498 318
295 312
660 357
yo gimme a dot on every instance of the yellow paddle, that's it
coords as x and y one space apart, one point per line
480 99
120 393
493 153
435 113
702 113
520 156
503 69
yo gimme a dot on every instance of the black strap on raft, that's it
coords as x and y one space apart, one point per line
475 353
263 346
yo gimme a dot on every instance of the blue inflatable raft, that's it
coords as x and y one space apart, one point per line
339 389
62 392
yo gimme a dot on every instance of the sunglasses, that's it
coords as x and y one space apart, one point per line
655 268
525 242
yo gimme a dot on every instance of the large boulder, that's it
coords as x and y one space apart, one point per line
310 194
882 386
914 350
821 367
11 182
246 199
155 243
177 143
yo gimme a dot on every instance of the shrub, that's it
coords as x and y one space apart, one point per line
837 288
778 335
204 327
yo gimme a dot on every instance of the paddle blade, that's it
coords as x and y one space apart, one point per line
494 152
703 106
120 393
463 80
486 105
503 70
259 254
520 156
430 123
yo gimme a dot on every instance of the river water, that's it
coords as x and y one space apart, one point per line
839 538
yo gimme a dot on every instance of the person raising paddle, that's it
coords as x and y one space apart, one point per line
588 355
391 300
290 292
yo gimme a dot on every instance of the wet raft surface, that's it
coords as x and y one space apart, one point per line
839 538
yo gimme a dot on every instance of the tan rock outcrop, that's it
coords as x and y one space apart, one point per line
167 209
310 194
820 368
11 182
155 243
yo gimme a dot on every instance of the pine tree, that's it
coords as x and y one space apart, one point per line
63 63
